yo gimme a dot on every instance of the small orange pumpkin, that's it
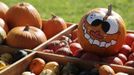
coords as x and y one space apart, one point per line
53 26
101 31
37 65
22 14
3 9
25 37
3 25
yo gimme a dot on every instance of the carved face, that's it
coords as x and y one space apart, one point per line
101 34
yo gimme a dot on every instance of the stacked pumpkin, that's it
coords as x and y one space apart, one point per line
3 26
24 26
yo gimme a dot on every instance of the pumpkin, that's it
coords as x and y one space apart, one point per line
37 65
51 68
3 25
101 31
2 35
106 70
25 37
3 9
22 14
53 26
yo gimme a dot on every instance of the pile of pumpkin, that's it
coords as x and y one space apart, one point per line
23 27
39 66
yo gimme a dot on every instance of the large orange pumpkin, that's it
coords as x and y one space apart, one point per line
53 26
23 14
101 31
3 9
25 37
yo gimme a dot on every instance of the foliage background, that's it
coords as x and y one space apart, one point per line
73 10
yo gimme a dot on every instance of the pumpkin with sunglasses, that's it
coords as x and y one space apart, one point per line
102 31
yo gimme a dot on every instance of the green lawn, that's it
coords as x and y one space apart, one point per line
73 10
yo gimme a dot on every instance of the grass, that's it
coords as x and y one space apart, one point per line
73 10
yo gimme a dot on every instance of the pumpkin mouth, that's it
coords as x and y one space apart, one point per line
96 34
95 41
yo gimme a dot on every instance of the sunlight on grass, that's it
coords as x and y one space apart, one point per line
73 10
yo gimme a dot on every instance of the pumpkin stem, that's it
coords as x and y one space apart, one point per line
109 12
26 28
53 16
22 4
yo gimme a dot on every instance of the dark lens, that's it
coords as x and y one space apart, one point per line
105 26
96 22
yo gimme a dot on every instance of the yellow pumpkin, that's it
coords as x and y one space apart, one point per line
101 31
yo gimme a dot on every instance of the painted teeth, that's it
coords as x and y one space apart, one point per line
87 36
108 44
84 28
113 42
96 42
90 40
102 44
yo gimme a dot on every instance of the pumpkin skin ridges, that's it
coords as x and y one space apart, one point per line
97 50
3 9
19 38
22 14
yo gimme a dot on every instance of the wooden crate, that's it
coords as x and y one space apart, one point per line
117 68
7 49
22 65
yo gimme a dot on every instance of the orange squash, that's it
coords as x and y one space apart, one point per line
25 37
3 9
3 25
53 26
23 14
101 31
37 65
